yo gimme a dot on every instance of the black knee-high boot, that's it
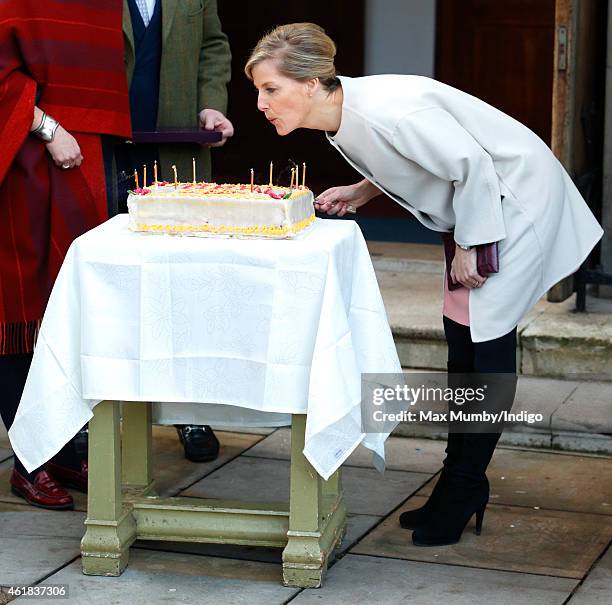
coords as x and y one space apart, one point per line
466 493
466 488
460 362
412 519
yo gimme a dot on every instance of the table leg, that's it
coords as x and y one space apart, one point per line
136 440
317 517
333 496
110 527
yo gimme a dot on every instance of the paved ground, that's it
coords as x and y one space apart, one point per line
546 536
548 529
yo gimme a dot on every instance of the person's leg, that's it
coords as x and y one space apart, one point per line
461 350
467 487
70 465
460 361
13 373
37 487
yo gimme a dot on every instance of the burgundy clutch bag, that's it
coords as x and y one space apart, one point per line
487 259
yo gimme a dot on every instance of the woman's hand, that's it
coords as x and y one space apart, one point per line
337 200
64 149
463 269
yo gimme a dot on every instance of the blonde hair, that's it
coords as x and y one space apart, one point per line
302 51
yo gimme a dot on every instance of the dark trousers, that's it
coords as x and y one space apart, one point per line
13 373
492 356
472 451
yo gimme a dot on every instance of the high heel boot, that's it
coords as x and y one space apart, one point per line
412 519
466 494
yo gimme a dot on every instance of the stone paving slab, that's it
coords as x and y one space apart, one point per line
555 543
534 395
418 455
588 409
560 342
582 442
163 577
377 581
5 445
367 492
357 526
543 396
255 430
413 301
556 481
37 542
597 588
173 472
9 507
407 252
415 320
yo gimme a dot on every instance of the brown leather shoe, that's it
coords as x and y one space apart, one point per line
70 477
44 491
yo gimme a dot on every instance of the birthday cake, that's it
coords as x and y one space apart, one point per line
225 210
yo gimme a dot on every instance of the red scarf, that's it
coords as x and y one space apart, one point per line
71 52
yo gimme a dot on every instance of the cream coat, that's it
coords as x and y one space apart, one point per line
448 158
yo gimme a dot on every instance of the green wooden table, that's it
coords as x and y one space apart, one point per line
122 504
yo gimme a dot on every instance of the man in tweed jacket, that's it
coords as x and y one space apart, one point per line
178 66
194 69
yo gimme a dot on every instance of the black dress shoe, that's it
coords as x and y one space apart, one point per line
199 442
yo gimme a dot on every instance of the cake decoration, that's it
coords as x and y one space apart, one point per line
237 210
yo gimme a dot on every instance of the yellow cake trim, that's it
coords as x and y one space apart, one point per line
229 229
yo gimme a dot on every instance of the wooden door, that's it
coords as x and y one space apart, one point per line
578 104
501 52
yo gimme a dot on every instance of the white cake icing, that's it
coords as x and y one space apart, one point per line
211 209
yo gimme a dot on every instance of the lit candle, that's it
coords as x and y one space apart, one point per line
252 179
194 171
303 175
155 171
271 167
292 178
136 178
175 175
144 176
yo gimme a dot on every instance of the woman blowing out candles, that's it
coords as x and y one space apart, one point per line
461 167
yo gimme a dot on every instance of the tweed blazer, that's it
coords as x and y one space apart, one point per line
194 72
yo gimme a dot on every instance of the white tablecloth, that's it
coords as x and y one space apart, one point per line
271 327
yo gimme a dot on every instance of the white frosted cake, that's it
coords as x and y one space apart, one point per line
211 209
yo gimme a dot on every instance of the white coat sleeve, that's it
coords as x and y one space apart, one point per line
434 140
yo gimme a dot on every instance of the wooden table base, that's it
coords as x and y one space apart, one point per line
122 505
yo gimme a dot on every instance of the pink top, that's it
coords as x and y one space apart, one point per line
456 303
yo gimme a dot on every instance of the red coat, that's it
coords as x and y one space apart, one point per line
71 52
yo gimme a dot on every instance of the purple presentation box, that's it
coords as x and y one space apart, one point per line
176 135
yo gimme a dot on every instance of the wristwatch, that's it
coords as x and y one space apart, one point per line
465 247
46 129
